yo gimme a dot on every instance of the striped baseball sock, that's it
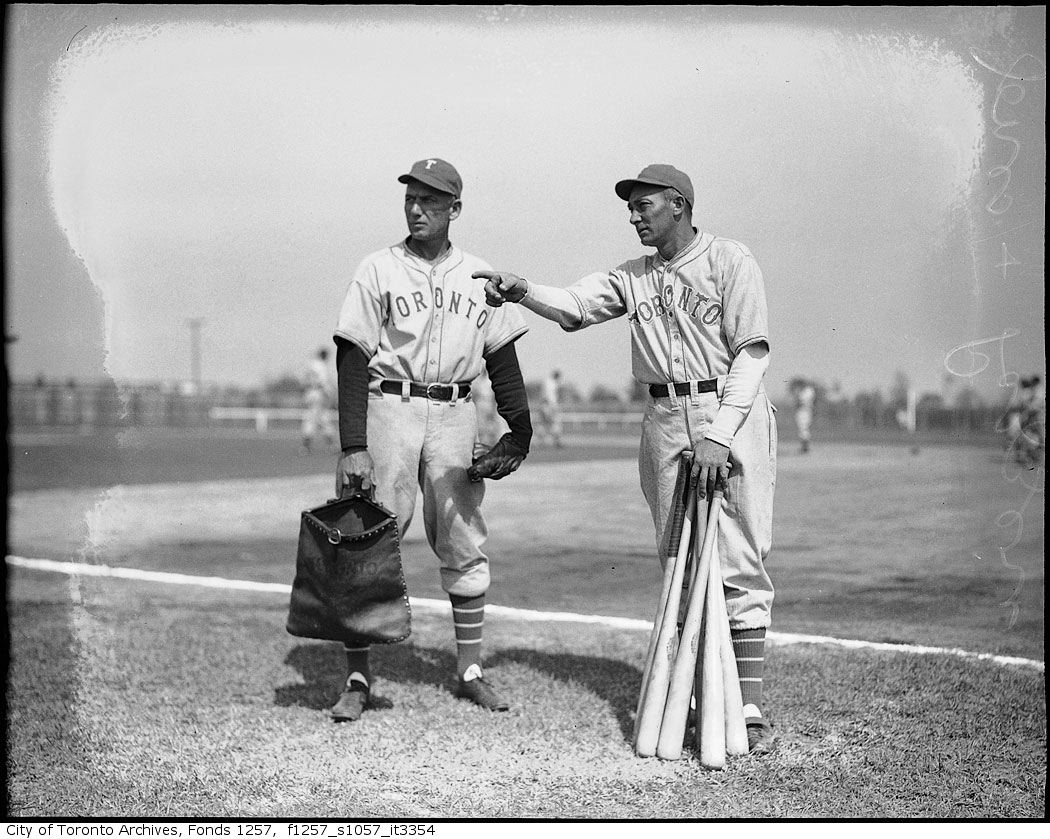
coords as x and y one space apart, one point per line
749 649
468 618
357 662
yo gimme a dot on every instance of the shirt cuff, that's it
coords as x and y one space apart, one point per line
726 424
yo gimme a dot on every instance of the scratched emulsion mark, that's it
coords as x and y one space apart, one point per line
966 360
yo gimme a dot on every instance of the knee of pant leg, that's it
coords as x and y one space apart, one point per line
749 609
468 582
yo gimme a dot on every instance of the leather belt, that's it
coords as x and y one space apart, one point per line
683 388
440 392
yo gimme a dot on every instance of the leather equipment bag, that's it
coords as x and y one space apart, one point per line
349 582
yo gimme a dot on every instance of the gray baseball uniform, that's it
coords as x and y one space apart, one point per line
428 323
689 318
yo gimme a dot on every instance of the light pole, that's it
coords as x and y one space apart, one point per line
195 351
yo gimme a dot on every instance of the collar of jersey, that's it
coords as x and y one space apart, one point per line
450 259
701 241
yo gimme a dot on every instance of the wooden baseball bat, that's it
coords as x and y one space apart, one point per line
684 535
710 705
680 691
665 632
736 729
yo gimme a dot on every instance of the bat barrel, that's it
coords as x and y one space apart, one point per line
710 724
679 533
676 711
665 631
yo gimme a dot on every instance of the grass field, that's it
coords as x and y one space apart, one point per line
138 699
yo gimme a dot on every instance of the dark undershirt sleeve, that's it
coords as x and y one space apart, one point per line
352 370
508 386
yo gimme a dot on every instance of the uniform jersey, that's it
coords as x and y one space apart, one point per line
689 316
424 322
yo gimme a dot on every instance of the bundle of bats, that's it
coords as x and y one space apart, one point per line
699 660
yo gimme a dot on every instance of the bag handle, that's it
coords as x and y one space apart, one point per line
335 535
350 490
354 487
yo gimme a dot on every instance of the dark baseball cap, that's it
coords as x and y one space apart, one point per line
436 173
658 174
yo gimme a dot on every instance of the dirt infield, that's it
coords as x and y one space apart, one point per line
943 547
157 455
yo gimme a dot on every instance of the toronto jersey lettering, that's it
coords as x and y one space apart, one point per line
424 322
689 316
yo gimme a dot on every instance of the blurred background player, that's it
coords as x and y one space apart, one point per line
491 426
907 416
319 399
550 410
803 393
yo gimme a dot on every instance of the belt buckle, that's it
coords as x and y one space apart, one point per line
433 385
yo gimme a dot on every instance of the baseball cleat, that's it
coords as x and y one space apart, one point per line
759 736
480 692
351 703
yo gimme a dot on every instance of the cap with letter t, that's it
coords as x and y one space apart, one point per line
658 174
436 173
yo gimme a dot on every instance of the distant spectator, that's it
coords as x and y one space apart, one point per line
1026 421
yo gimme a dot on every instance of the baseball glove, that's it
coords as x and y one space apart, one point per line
499 461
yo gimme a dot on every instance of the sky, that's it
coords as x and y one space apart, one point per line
233 164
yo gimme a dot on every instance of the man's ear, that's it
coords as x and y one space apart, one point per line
679 206
453 211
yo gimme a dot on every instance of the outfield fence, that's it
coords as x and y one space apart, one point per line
83 407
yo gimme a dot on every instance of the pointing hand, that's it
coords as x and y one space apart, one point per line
502 287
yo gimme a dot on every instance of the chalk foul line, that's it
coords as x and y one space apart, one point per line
87 569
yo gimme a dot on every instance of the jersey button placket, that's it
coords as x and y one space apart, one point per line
435 340
676 349
677 370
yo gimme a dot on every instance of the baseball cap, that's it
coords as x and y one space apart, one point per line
436 173
658 174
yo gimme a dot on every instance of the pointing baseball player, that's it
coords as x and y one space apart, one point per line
700 341
413 332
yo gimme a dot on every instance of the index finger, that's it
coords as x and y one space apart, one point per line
701 482
485 275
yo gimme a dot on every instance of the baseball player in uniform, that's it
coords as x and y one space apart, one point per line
700 341
804 394
414 331
318 397
550 410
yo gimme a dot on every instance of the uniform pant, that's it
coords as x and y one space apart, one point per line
803 419
674 425
423 444
317 419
